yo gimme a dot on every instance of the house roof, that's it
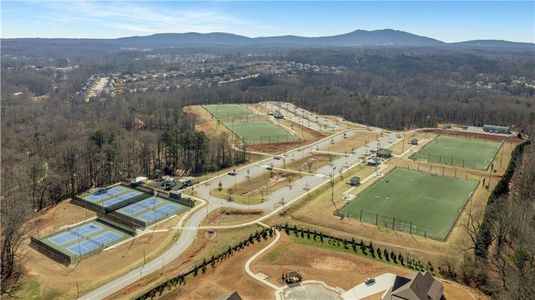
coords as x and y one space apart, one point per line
419 286
234 296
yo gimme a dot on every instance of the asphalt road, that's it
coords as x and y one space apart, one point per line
274 200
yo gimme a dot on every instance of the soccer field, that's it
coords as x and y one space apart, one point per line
259 131
460 152
228 111
412 201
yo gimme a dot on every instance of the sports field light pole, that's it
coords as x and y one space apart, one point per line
332 189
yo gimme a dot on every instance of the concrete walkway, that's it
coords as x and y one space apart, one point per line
257 254
382 283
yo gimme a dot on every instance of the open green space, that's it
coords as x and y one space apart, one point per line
412 201
460 152
228 111
259 132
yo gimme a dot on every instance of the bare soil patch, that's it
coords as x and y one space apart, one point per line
224 279
227 216
357 140
311 163
201 248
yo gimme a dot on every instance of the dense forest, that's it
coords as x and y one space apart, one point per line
54 147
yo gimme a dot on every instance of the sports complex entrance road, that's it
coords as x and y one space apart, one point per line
276 200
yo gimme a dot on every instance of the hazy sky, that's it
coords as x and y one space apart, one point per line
447 21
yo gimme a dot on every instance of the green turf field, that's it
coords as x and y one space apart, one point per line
228 111
460 152
430 203
259 131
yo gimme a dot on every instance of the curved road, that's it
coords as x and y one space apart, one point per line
276 200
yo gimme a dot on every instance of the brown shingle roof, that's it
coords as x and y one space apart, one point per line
420 286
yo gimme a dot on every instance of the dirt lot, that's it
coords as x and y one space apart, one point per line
205 123
310 163
336 268
204 246
359 139
347 123
227 216
255 189
46 277
303 132
215 284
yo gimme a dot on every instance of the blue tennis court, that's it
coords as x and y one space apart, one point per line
159 213
74 233
83 247
86 238
105 238
121 198
99 195
135 208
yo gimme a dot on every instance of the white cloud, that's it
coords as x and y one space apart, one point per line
140 18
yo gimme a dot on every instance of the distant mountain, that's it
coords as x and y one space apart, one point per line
190 39
492 44
357 38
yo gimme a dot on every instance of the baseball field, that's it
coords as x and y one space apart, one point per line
460 152
412 201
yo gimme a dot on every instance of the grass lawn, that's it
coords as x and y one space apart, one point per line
228 111
259 131
428 202
461 152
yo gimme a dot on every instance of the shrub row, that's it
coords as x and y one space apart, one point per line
367 249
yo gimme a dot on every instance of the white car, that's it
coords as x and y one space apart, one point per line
369 281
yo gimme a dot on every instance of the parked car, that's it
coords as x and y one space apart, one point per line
232 173
166 184
354 181
369 281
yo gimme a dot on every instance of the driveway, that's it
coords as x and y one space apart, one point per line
382 283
